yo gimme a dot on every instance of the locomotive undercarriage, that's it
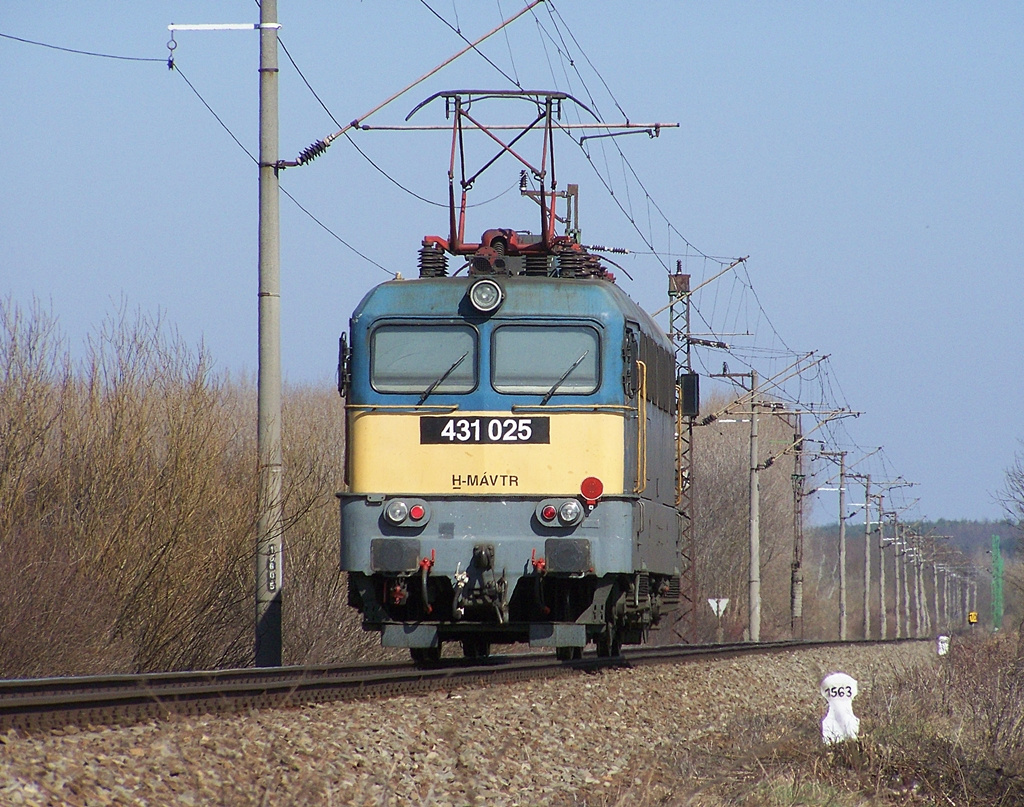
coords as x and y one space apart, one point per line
557 587
476 607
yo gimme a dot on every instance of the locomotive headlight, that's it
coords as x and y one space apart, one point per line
396 512
570 512
485 296
559 513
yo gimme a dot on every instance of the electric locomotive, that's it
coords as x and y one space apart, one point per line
510 457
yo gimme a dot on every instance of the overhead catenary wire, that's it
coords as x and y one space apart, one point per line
458 32
564 49
173 65
314 150
363 153
318 148
176 68
78 52
334 235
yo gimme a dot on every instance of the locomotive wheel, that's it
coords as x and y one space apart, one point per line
568 653
426 655
476 647
609 643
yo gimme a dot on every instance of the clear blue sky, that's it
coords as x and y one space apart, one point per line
867 157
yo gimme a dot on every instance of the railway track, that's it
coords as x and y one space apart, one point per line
40 704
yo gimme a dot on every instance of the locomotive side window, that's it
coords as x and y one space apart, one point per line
423 358
546 360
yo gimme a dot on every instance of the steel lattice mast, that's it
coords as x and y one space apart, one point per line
686 393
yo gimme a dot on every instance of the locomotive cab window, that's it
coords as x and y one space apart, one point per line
423 358
546 360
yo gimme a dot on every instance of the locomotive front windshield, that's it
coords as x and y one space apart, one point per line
545 360
419 357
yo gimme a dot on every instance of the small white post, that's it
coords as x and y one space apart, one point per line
839 723
942 645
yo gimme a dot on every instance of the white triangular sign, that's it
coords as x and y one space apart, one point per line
718 605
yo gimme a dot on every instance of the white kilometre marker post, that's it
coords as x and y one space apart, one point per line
839 723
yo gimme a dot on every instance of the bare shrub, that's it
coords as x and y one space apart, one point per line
155 493
49 607
54 618
319 626
36 373
124 502
1012 494
128 505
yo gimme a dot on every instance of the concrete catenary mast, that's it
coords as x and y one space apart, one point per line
270 523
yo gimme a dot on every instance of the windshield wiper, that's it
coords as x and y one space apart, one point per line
565 375
443 377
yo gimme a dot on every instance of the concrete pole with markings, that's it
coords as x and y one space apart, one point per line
906 583
867 556
270 523
896 609
919 588
796 595
883 618
842 539
842 546
922 597
755 519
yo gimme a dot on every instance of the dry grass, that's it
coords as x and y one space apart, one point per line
949 733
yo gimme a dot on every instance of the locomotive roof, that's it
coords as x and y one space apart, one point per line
525 296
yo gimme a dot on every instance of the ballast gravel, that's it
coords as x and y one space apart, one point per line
621 736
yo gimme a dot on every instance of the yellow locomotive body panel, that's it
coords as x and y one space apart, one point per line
387 454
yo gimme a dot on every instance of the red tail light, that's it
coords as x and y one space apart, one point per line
592 488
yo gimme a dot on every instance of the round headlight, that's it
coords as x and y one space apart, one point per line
570 512
396 512
485 296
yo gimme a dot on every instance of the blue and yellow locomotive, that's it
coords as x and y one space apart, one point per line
511 454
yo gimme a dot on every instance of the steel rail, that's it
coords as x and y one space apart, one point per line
41 704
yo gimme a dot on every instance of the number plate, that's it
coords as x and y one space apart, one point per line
454 430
